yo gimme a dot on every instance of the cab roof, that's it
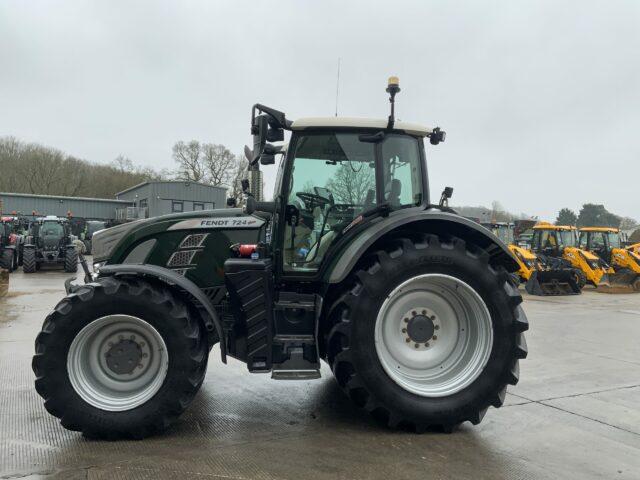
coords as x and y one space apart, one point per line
355 122
548 226
600 229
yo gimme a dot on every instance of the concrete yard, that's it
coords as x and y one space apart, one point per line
574 414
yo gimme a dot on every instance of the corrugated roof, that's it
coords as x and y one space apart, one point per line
169 181
60 197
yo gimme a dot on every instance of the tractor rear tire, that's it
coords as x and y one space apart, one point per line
71 260
6 259
580 277
161 349
390 371
29 262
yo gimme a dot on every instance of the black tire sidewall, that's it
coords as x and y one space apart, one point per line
453 262
179 349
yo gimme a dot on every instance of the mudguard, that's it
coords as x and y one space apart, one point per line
428 221
172 278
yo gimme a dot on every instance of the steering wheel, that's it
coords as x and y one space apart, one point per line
311 200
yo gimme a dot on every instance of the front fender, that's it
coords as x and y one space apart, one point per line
427 221
172 278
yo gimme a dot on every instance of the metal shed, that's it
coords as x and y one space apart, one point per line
150 199
90 208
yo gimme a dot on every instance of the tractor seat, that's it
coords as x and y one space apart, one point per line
395 189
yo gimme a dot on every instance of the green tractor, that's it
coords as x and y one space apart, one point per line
91 227
49 242
409 303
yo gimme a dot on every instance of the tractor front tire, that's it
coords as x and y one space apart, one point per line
428 334
71 260
119 359
6 259
29 262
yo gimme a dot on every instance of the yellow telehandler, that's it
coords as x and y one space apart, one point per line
624 264
559 243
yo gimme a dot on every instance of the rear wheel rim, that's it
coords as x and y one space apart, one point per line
117 362
457 323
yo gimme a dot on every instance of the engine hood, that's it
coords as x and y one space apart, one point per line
106 243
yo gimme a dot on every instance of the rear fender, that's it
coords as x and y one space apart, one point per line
173 280
426 221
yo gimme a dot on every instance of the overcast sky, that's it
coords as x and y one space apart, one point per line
540 100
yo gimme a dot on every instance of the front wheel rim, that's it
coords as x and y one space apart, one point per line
117 362
433 335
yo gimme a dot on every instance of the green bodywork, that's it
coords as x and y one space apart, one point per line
206 268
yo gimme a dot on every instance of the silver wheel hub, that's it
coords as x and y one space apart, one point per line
117 362
433 335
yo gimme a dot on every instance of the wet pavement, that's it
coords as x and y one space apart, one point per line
574 414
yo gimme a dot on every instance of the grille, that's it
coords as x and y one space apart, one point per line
194 241
181 258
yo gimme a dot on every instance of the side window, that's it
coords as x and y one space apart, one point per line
332 182
198 206
402 171
177 207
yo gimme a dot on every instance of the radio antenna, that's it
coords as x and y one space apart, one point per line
337 86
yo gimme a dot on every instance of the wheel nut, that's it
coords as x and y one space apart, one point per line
139 365
144 355
435 337
424 312
132 337
417 345
414 313
121 337
436 327
407 340
142 344
406 320
110 344
426 344
404 330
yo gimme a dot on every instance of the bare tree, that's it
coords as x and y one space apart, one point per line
350 185
191 166
239 172
219 163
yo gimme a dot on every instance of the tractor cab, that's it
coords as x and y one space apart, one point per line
503 230
551 240
335 174
601 241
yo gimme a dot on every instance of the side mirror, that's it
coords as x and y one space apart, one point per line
447 193
259 131
267 159
437 136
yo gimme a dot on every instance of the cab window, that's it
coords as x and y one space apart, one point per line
332 182
402 171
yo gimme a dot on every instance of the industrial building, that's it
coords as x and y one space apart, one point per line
151 199
148 199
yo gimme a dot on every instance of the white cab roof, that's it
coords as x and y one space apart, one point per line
354 122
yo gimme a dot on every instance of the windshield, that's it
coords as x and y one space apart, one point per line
614 240
50 229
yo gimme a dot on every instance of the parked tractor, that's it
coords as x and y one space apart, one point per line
410 304
49 242
91 227
624 264
10 243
